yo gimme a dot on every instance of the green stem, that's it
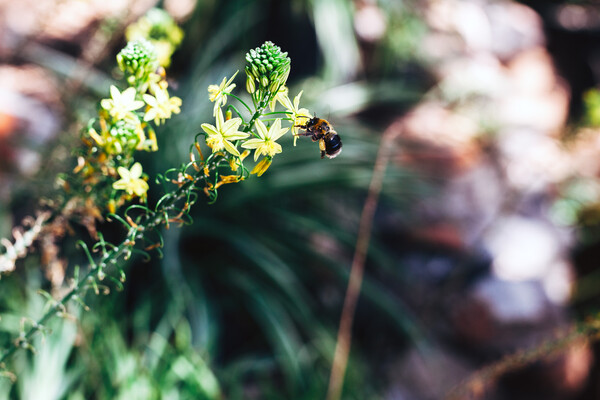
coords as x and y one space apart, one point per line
241 101
147 221
259 109
63 301
278 112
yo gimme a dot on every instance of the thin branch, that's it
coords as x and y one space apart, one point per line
476 385
344 337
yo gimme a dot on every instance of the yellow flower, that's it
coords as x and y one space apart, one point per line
262 166
164 51
218 94
221 136
235 163
299 115
161 105
121 104
131 181
266 145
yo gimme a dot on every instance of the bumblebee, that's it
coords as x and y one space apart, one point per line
321 130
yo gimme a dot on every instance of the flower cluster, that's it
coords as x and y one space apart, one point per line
125 124
138 60
158 27
107 174
267 71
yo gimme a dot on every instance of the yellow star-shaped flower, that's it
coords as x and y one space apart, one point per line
131 181
218 94
121 104
282 94
299 115
266 144
161 105
221 136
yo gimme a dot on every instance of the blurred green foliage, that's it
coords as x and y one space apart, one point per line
245 302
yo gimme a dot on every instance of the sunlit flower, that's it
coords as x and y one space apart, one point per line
221 136
162 31
299 115
121 104
161 105
131 181
266 144
218 94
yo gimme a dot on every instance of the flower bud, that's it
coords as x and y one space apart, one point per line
268 68
262 166
250 87
138 59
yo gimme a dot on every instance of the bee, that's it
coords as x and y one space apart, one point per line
321 130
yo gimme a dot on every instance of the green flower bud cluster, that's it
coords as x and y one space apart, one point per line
162 27
162 31
138 59
267 69
125 135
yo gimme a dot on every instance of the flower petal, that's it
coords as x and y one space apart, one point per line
275 149
219 118
261 129
231 148
230 80
297 100
121 184
150 100
150 114
107 104
252 143
210 129
136 170
276 132
128 95
140 187
135 105
236 136
114 92
287 103
123 172
231 125
229 88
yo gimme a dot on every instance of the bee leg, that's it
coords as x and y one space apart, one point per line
322 147
303 134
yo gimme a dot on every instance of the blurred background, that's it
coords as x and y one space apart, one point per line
486 239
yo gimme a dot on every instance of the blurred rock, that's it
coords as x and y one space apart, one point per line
501 29
64 20
536 97
369 22
425 375
489 135
31 108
